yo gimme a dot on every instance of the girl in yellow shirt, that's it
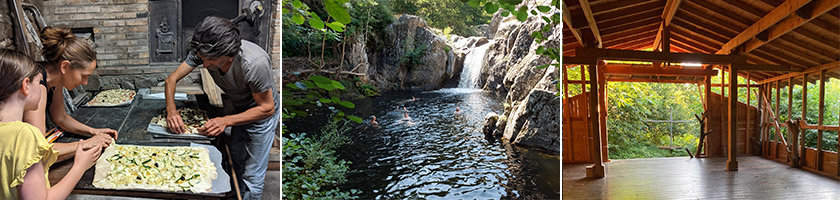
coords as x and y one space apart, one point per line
26 155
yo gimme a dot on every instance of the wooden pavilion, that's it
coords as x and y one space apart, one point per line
774 44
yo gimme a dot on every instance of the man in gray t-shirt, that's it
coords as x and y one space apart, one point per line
243 70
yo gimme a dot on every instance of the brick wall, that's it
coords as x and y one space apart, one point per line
121 27
276 40
121 34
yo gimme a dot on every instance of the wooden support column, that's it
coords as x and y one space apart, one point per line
747 141
790 98
708 107
732 148
723 111
793 132
803 117
794 144
602 88
597 169
761 127
567 119
777 118
820 122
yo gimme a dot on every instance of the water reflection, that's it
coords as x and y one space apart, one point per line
438 153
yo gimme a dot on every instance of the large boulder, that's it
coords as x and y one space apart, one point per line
7 34
357 58
413 57
512 59
489 127
536 122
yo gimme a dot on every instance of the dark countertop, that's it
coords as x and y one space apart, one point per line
131 122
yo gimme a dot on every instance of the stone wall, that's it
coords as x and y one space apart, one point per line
7 35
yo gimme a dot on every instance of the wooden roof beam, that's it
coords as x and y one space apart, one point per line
782 11
567 19
828 67
659 71
814 9
774 68
671 7
587 11
633 55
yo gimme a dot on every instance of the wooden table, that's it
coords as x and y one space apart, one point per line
131 122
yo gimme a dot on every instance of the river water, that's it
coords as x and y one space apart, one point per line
441 154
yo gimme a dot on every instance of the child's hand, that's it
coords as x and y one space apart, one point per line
87 153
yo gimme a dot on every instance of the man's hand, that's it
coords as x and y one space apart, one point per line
175 123
214 126
105 131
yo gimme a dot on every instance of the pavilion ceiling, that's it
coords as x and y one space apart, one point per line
799 33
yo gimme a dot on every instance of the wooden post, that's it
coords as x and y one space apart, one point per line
761 128
777 118
790 98
723 111
708 114
804 119
820 121
732 160
597 169
747 141
567 119
793 132
602 88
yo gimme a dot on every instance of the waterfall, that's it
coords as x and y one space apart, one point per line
473 63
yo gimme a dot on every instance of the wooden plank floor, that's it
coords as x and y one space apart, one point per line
707 178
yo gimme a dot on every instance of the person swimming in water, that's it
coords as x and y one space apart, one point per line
457 109
406 116
373 121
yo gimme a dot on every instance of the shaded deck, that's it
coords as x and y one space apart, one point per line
707 178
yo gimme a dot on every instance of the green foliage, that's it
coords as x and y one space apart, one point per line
631 105
460 16
310 168
317 90
412 57
368 90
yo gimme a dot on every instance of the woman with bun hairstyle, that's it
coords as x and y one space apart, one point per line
69 61
27 156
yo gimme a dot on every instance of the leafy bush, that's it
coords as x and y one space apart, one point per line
632 104
459 16
412 57
310 168
368 90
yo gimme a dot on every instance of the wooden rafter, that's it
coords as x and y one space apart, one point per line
671 7
818 7
777 68
829 66
567 19
587 11
699 31
784 10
